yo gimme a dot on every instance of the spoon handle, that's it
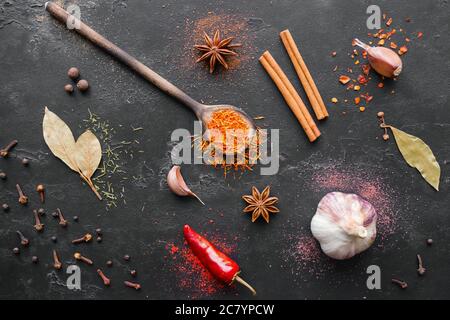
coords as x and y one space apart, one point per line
147 73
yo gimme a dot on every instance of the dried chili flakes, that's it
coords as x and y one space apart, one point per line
389 22
402 50
344 79
357 100
393 45
366 97
362 109
381 42
362 79
380 85
366 69
356 88
419 35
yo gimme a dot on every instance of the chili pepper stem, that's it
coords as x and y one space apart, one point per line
245 284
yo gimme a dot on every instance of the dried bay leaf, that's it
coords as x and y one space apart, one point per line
88 153
418 155
82 156
59 138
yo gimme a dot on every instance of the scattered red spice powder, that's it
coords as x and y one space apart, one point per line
237 25
371 187
193 278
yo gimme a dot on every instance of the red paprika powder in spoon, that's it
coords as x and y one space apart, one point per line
222 267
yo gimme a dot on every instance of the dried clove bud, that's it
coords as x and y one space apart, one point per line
79 257
177 184
62 222
56 262
420 270
400 283
4 152
38 226
86 238
106 280
41 190
133 285
23 200
23 240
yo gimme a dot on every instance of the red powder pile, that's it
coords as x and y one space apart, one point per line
191 275
229 25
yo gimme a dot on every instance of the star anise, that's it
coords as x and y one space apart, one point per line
216 49
260 204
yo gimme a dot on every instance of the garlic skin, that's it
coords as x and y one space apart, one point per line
177 184
383 60
344 225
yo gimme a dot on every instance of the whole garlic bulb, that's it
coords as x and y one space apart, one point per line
344 224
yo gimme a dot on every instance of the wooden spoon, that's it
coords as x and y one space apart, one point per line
202 111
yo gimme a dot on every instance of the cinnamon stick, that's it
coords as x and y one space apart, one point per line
293 92
305 77
290 95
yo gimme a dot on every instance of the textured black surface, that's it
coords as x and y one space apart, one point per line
35 54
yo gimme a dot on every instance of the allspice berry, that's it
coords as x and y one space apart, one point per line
83 85
16 250
68 88
73 73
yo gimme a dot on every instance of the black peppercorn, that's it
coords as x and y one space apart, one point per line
75 218
429 242
41 211
5 207
25 162
55 214
34 259
98 231
2 175
73 73
16 250
133 273
99 239
54 239
82 85
126 257
68 88
109 263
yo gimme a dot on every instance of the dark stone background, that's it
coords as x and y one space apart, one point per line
35 53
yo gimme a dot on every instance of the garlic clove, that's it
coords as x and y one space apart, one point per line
177 184
383 60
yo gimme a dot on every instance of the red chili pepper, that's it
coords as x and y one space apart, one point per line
219 264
